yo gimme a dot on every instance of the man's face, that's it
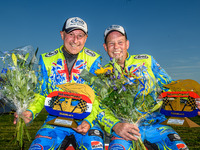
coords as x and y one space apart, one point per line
73 41
116 46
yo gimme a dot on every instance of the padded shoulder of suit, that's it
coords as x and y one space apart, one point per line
90 52
141 56
50 54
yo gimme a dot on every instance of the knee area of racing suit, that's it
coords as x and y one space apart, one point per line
172 142
119 143
94 139
162 136
156 137
47 138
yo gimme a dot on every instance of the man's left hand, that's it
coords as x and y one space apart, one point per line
83 128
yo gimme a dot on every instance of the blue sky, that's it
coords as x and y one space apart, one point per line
167 29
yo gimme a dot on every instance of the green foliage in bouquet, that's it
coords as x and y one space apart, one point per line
126 94
19 84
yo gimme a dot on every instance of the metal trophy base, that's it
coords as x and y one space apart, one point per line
65 122
180 121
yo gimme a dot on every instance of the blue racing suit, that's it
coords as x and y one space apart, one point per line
54 71
154 135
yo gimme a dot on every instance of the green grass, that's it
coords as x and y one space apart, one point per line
191 136
7 129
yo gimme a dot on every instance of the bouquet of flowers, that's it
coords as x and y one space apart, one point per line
18 84
127 95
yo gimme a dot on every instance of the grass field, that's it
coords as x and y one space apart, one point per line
191 136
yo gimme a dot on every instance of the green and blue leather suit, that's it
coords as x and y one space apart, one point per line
155 135
54 71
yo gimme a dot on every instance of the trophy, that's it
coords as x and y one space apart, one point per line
179 106
74 102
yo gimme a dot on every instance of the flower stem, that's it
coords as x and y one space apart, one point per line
19 132
141 144
138 145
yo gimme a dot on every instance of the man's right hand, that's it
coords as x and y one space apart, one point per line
26 115
83 127
127 131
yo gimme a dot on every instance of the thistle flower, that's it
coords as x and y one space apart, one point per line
115 88
123 87
119 76
108 72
